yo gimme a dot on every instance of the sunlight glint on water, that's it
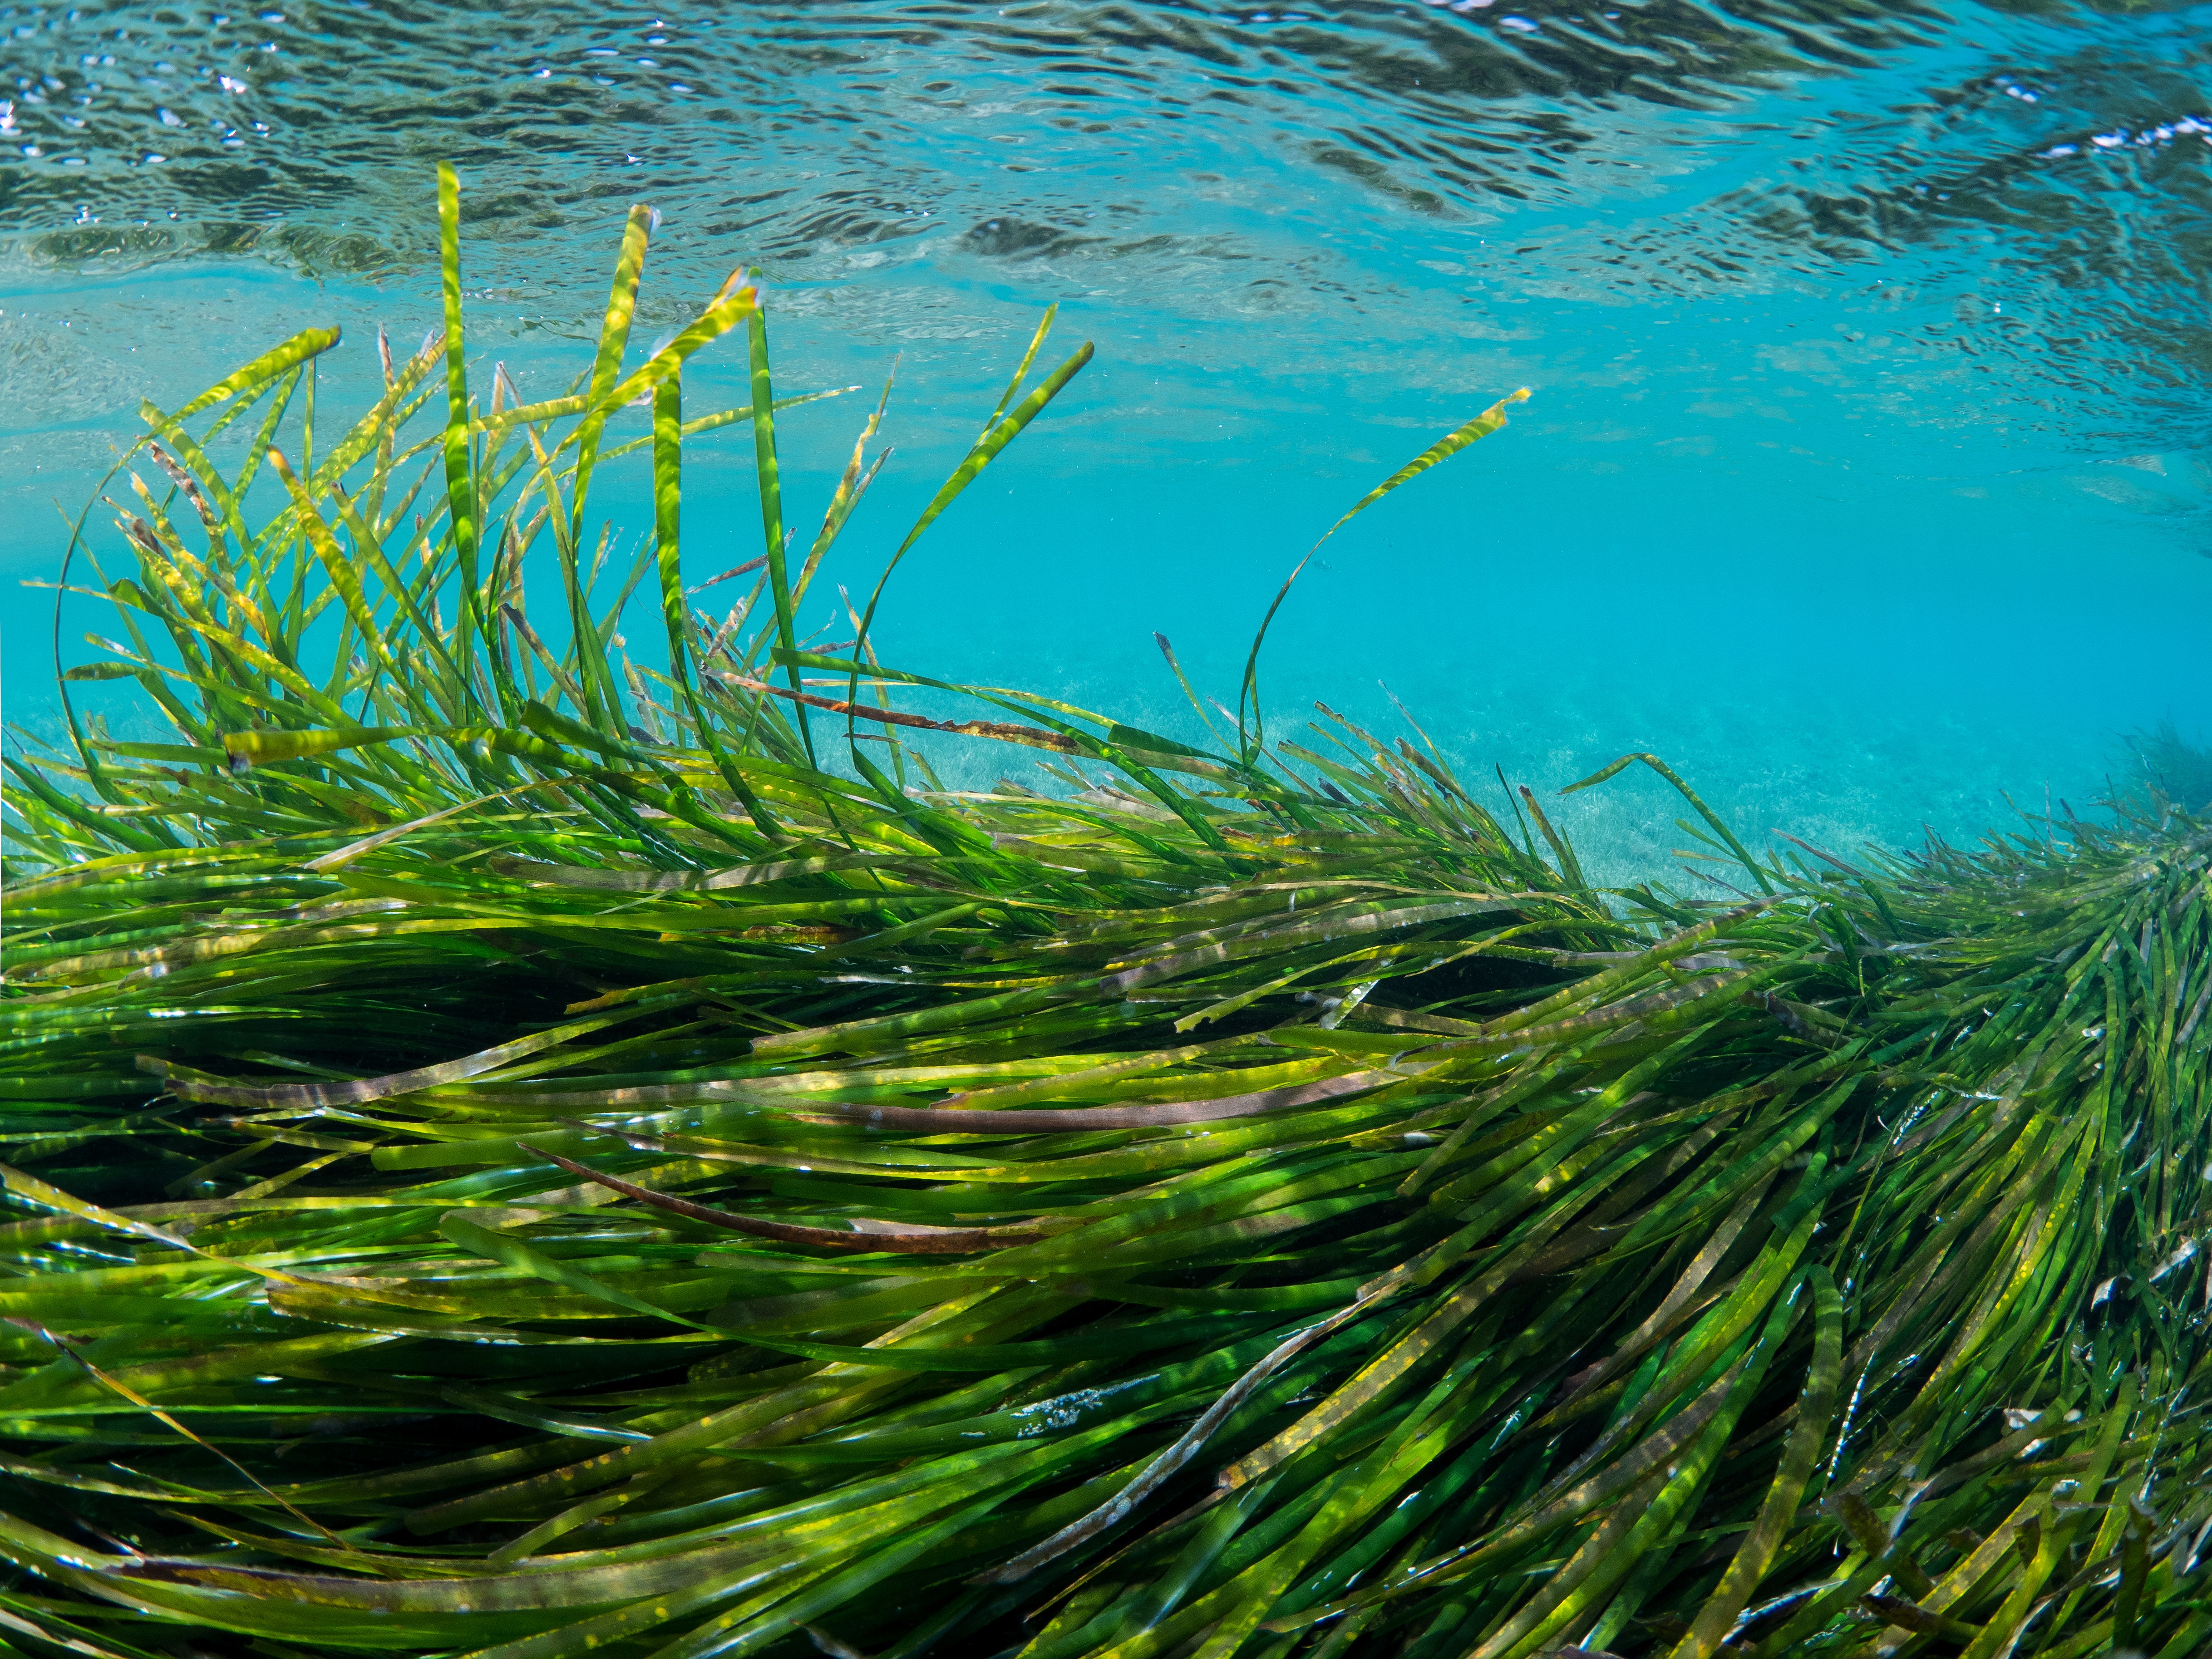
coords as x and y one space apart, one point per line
1866 475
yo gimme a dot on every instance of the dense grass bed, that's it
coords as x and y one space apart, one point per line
513 1152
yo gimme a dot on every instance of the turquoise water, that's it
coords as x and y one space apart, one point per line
1866 475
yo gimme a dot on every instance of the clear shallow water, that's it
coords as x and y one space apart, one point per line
1869 473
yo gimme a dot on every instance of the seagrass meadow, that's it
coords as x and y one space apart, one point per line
513 1150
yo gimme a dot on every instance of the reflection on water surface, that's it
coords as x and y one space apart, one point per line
1223 160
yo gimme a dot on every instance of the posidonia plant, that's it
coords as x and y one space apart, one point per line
513 1151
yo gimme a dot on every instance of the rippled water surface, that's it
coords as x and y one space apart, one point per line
1867 470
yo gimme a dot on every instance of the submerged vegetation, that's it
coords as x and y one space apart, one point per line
515 1151
2164 766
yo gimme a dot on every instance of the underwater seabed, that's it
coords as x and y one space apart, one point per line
518 1150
